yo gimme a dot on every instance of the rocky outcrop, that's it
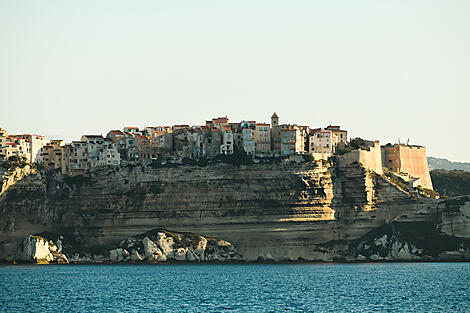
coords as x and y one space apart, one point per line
36 249
164 246
10 176
454 219
155 246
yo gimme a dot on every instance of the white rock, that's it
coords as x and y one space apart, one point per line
36 248
380 242
166 244
404 253
151 249
268 257
200 249
180 254
395 248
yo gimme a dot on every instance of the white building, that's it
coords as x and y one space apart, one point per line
321 141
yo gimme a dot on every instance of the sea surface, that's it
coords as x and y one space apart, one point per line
396 287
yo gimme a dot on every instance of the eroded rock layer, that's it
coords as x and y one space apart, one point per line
274 211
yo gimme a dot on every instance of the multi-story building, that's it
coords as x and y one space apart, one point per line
161 138
119 138
226 146
237 135
248 139
108 154
48 157
217 122
125 144
292 141
340 136
65 163
78 158
181 127
18 146
94 145
132 130
321 141
144 146
36 142
3 143
262 139
196 145
212 140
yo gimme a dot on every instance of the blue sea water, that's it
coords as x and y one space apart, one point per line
397 287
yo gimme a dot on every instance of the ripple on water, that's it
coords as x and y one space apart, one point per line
398 287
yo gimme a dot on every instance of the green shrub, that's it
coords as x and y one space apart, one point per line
397 181
357 143
239 157
308 158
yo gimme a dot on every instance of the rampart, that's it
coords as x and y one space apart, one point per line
408 159
370 159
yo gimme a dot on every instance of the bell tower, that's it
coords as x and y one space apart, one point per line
274 120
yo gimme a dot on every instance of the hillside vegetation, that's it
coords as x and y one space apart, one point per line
436 163
451 183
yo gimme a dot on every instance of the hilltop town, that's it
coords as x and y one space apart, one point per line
217 137
303 194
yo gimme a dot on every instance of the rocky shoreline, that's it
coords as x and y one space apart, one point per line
155 246
390 243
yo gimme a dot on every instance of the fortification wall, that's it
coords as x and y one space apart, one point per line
410 160
370 159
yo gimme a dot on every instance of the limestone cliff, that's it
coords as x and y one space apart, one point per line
285 211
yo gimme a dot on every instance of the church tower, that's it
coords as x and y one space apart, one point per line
274 120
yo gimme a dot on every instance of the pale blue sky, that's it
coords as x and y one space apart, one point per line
380 69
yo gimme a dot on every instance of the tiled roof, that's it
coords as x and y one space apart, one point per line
93 136
337 128
140 136
117 132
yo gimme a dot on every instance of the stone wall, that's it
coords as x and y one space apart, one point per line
370 159
410 160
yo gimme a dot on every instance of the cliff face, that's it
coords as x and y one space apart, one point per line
280 211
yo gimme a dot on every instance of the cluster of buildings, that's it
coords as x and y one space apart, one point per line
134 145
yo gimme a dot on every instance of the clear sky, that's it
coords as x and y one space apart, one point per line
384 70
